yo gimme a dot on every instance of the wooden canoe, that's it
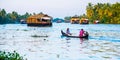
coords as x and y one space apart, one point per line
64 34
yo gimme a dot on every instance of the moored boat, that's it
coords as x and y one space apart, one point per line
39 20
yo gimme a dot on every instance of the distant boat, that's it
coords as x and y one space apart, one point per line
58 20
96 22
22 21
84 21
75 20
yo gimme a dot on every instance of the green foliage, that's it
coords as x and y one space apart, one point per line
2 16
67 18
82 16
106 13
10 56
13 17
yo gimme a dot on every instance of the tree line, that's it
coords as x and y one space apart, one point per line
106 13
12 18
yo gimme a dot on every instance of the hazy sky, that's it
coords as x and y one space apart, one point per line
54 8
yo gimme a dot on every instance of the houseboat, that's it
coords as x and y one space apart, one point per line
84 21
39 20
75 20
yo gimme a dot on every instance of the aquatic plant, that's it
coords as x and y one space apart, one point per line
38 36
25 30
17 30
10 56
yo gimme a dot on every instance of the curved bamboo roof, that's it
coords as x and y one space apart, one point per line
39 16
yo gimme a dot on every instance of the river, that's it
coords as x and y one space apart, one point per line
103 42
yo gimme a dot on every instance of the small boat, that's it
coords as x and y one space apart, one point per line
64 34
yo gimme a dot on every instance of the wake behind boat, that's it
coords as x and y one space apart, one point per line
64 34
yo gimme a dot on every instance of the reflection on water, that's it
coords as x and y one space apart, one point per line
82 40
102 44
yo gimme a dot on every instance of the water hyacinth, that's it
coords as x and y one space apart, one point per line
38 36
10 56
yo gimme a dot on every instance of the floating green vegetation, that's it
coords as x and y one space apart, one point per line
100 50
106 43
58 55
38 36
17 30
10 56
25 30
106 56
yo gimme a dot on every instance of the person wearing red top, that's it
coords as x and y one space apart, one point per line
81 33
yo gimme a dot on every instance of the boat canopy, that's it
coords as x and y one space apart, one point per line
46 18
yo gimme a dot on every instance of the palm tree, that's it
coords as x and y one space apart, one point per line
2 16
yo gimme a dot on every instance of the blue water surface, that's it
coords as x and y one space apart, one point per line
107 32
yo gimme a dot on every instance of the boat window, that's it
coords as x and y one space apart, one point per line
39 19
44 20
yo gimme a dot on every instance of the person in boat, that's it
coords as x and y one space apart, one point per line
68 31
81 33
86 33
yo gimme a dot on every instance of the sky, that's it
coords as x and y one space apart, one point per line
54 8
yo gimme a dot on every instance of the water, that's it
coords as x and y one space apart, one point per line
103 42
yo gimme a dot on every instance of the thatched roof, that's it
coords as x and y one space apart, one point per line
39 16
